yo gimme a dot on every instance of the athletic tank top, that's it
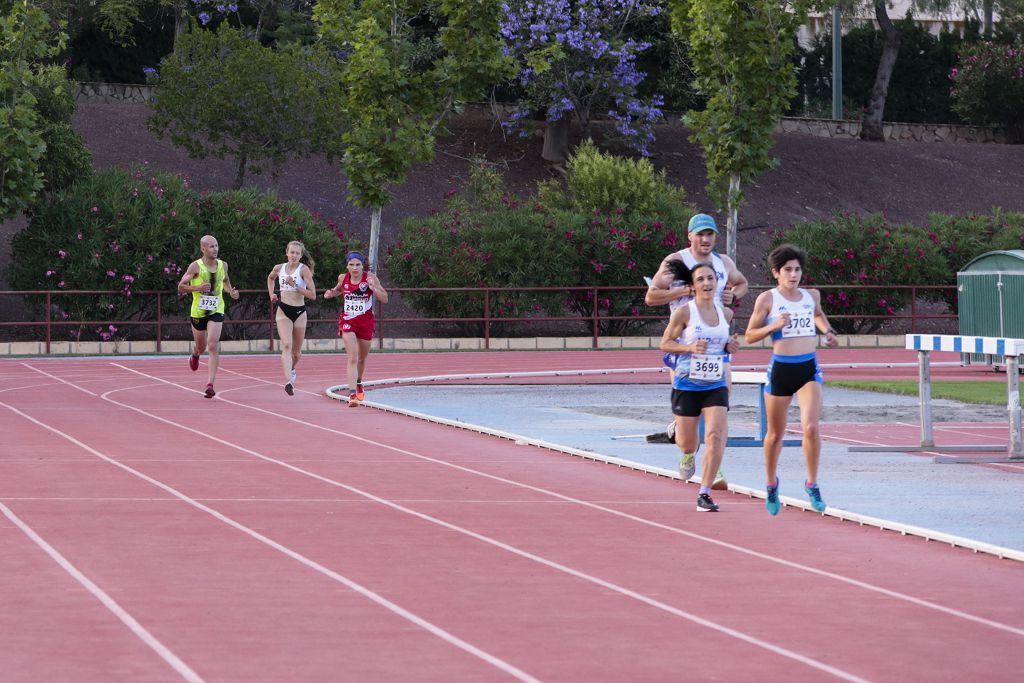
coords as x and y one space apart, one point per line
801 315
358 298
208 303
282 274
699 372
689 261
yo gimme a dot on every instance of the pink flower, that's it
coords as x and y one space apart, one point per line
94 209
111 273
62 254
61 284
50 273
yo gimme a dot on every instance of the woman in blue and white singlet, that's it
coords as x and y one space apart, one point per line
294 280
698 333
792 317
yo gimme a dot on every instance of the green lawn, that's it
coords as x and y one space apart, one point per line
993 393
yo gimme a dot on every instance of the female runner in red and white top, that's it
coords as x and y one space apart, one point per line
360 288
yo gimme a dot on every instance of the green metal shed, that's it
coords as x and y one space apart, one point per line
990 293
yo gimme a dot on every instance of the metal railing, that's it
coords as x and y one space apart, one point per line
914 312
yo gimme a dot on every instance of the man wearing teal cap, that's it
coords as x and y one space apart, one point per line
702 233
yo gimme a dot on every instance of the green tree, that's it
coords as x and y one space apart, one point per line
409 65
222 95
26 43
742 56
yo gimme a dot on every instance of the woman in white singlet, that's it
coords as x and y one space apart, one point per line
698 333
294 280
792 317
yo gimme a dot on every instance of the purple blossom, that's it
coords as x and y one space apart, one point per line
592 66
204 18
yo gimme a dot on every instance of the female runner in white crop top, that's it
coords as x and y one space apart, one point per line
792 317
294 279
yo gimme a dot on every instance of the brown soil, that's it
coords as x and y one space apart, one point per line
815 176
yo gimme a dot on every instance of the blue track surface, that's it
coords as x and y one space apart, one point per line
980 503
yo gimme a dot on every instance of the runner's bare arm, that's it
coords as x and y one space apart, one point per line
377 287
676 323
190 272
737 283
661 291
756 329
821 321
310 291
271 279
232 292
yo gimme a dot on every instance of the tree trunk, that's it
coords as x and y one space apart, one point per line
180 21
986 26
243 159
732 222
374 238
871 122
556 141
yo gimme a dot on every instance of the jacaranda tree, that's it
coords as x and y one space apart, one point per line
578 58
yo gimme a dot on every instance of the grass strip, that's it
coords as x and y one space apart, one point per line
991 393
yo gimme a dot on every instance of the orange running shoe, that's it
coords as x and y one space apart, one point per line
353 401
360 394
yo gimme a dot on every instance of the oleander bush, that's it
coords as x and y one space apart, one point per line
867 254
125 231
598 230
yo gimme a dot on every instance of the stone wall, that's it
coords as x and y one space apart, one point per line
903 132
115 93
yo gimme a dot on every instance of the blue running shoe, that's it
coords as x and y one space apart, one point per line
815 495
772 499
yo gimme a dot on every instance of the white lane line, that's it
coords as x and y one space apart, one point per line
61 380
682 532
127 619
701 621
357 587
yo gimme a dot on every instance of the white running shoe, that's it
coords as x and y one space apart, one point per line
294 376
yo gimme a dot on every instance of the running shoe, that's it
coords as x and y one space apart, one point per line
772 499
193 362
360 394
210 393
294 376
687 466
814 493
289 389
353 401
705 504
720 483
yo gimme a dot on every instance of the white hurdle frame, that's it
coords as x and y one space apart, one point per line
1010 349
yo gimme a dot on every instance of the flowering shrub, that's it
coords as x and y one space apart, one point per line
575 58
125 231
487 238
988 87
866 250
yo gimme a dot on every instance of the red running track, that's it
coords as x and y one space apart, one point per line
149 534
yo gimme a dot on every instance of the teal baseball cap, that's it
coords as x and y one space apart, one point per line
702 222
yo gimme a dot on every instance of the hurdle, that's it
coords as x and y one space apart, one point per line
1010 349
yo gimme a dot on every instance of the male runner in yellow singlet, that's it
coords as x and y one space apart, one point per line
207 279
